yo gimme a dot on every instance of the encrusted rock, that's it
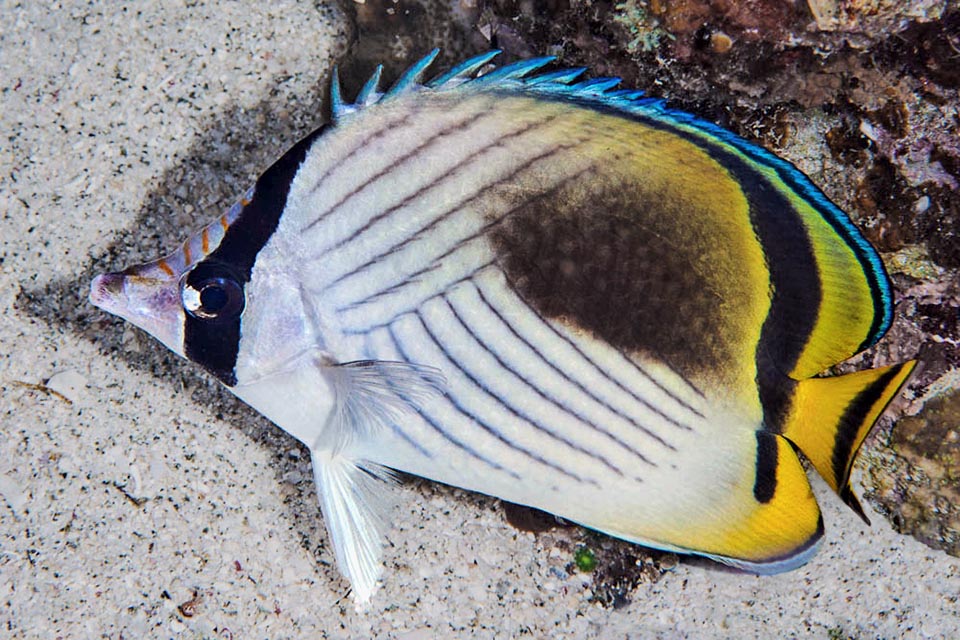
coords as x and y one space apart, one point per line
916 480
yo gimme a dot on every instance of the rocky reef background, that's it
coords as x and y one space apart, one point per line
862 95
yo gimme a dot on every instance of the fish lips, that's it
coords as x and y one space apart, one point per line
150 303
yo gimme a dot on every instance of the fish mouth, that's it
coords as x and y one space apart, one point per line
106 289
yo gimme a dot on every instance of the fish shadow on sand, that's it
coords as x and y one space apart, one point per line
232 148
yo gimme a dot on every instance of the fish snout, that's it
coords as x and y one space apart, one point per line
105 289
149 303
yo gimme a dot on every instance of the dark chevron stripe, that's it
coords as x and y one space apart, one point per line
446 435
452 171
462 242
571 380
640 370
543 395
517 413
475 419
460 126
411 310
361 144
468 200
432 423
406 438
215 345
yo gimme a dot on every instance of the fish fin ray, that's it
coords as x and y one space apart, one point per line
370 92
356 507
560 76
371 394
411 77
597 86
830 417
337 106
464 70
513 71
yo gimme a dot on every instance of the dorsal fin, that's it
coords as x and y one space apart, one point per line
519 76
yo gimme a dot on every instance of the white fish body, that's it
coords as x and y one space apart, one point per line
364 298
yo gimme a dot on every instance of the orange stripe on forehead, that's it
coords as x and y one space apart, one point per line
166 268
224 222
205 240
186 252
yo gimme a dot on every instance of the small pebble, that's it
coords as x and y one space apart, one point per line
70 384
720 42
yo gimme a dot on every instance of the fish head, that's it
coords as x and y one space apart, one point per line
163 296
221 300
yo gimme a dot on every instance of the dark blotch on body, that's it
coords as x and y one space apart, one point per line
595 262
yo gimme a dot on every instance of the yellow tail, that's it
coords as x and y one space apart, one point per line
830 417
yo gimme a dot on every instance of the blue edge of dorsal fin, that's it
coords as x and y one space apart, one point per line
600 93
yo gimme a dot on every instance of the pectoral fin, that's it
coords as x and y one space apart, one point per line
370 394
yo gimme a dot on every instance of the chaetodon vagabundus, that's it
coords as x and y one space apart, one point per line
547 290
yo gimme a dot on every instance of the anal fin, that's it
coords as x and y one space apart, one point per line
777 526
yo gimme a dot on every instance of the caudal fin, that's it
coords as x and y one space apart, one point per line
830 417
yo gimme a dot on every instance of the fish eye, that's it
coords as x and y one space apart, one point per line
213 298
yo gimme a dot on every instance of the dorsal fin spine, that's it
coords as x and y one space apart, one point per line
513 71
560 76
337 106
596 86
411 77
369 93
464 70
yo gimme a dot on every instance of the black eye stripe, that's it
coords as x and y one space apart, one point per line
216 345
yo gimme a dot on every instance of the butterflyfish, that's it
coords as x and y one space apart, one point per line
548 290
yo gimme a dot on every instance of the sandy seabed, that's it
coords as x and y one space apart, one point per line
140 501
